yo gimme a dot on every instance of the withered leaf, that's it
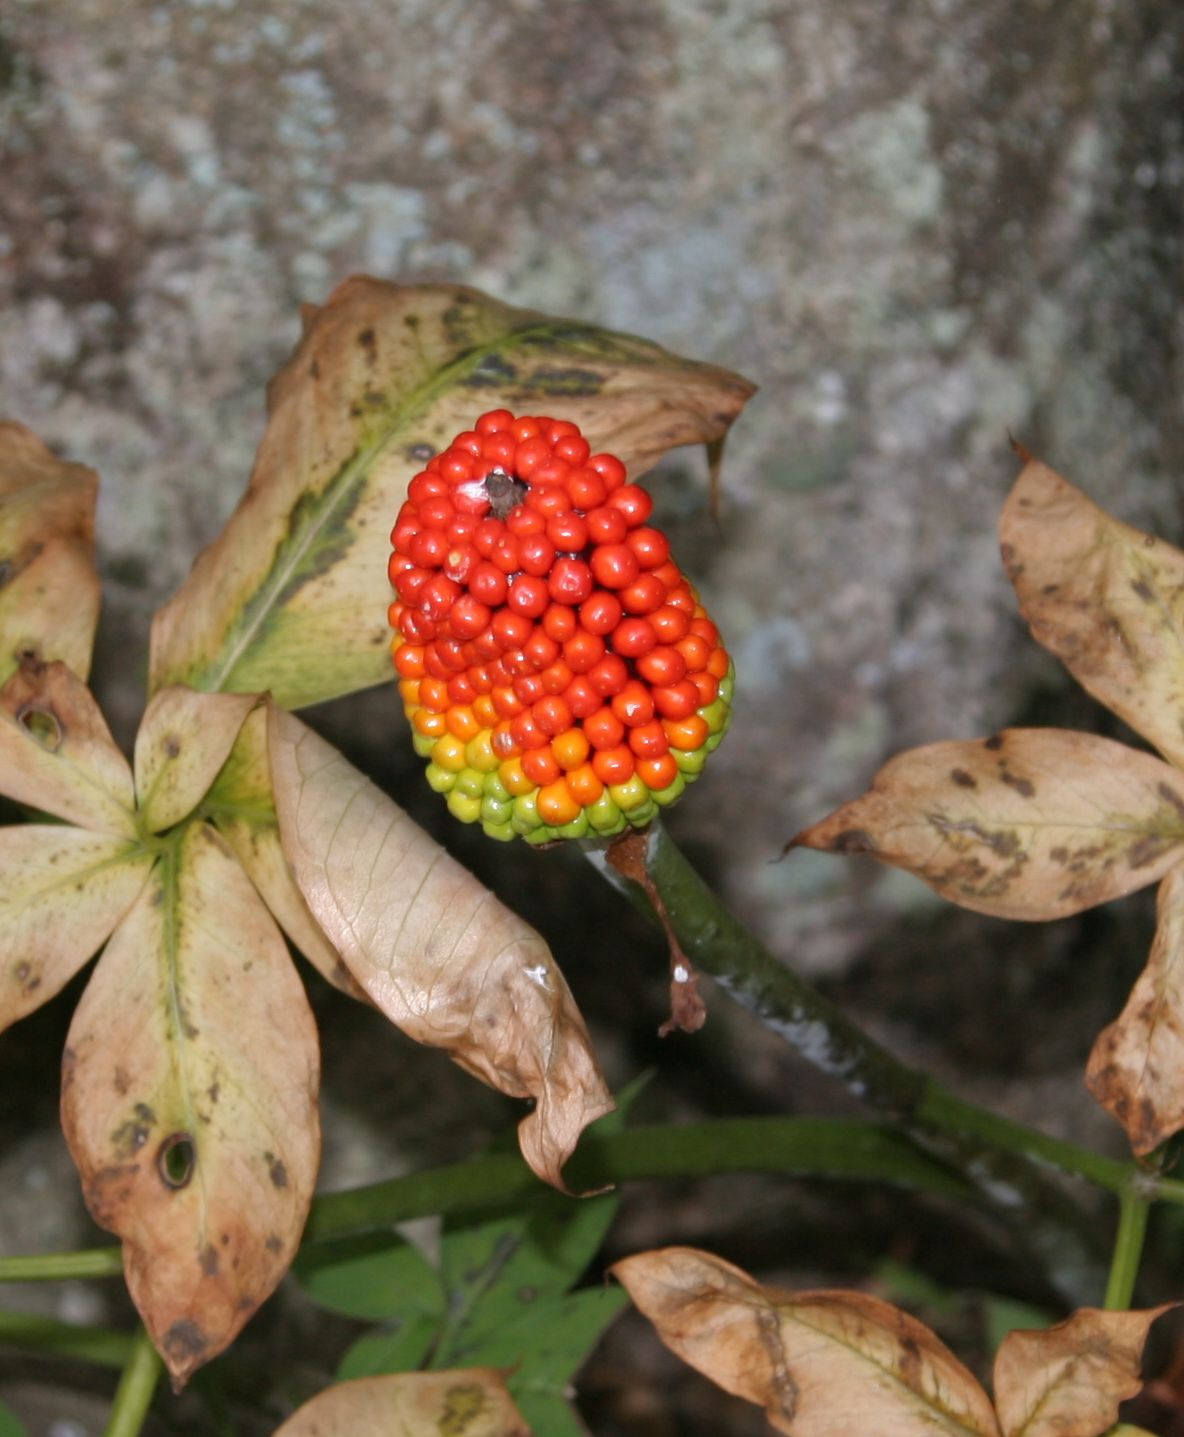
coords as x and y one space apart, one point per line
189 1099
471 1402
184 739
62 891
432 947
242 806
1033 823
1067 1380
1104 597
49 590
293 596
821 1364
57 753
1136 1069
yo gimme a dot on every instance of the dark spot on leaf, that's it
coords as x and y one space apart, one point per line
1147 849
1143 589
5 571
172 746
852 840
1059 855
314 369
121 1081
158 898
567 383
463 1404
421 453
130 1137
209 1260
1007 552
1148 541
374 398
144 1113
369 343
212 1092
492 372
963 779
1022 786
184 1341
527 1294
411 321
994 744
23 970
276 1170
1050 589
1169 795
274 1244
176 1160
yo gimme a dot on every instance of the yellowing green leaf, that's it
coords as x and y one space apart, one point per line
189 1099
433 948
241 804
1033 823
1107 599
57 753
1067 1380
62 891
1136 1069
184 739
821 1364
469 1403
293 596
49 590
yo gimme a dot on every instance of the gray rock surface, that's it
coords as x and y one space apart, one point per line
916 225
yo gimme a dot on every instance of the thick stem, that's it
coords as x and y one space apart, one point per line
1128 1248
133 1396
999 1157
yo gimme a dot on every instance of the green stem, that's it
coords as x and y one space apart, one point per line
799 1147
1128 1248
133 1396
59 1266
1006 1161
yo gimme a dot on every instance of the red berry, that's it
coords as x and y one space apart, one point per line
609 676
523 521
469 617
613 765
560 622
651 547
649 740
662 666
601 613
634 503
489 584
510 629
556 677
670 624
409 583
536 554
493 421
633 638
568 531
604 728
586 489
438 595
541 649
633 705
607 525
582 698
570 581
644 595
528 596
506 554
614 565
552 714
529 688
610 469
678 701
582 651
486 535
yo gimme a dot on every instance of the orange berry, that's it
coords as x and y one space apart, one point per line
462 722
434 695
604 729
514 777
570 749
613 765
556 805
409 690
508 704
485 710
695 651
680 700
429 724
540 767
583 785
502 740
708 687
657 773
686 734
633 705
703 626
717 664
552 714
409 661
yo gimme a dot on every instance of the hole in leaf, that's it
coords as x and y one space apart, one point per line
176 1160
43 726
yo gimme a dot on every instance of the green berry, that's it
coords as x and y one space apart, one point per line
671 794
494 788
503 832
470 783
467 809
714 715
422 744
690 761
439 778
496 811
526 812
577 828
628 796
604 813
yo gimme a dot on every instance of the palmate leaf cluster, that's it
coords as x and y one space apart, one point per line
192 1066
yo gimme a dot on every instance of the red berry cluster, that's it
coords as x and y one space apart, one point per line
555 664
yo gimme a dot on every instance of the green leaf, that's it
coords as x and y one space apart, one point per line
400 1346
1002 1315
548 1346
293 595
375 1277
550 1416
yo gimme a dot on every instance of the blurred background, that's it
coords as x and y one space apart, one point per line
919 225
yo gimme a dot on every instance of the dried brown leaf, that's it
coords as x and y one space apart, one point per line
49 590
242 806
189 1089
1107 599
293 596
1067 1380
821 1364
57 753
1136 1069
434 949
1033 823
472 1402
62 891
184 739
